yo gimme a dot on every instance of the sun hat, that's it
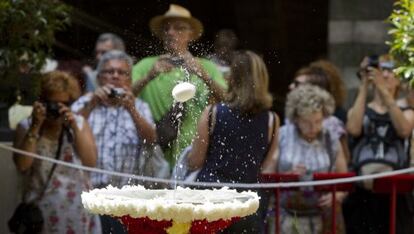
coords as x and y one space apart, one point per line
176 12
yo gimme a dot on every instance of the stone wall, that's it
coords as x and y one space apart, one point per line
356 28
11 186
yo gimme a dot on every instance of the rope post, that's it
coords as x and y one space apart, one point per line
333 231
277 210
393 185
393 206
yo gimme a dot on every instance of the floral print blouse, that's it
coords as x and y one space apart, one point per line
61 204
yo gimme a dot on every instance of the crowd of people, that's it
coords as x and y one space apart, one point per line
225 133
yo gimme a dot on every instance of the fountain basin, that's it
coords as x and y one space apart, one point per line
184 209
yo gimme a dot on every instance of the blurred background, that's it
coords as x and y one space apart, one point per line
288 34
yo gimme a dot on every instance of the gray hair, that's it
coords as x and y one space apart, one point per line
117 42
308 99
113 55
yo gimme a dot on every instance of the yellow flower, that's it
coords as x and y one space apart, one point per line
179 228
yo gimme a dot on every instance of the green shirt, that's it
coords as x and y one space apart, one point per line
157 93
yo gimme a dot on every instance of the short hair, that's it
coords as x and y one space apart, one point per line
315 76
228 36
307 99
117 42
59 81
249 84
113 55
336 85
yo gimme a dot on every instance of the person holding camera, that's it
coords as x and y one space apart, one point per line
156 76
54 131
380 129
120 123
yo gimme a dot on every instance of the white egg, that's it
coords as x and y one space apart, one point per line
183 92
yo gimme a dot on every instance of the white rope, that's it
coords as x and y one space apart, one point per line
209 184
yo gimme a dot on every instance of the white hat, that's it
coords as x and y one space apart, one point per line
176 12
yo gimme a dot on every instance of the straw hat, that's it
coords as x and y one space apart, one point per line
176 12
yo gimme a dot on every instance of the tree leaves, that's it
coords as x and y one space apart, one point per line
402 34
27 33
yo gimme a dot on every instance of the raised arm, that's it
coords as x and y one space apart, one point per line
198 154
195 67
145 129
401 120
357 111
84 142
160 66
26 139
270 161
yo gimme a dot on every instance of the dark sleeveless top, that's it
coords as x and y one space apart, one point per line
238 144
374 122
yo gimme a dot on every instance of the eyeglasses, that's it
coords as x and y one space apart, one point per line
176 27
113 71
361 72
296 83
100 52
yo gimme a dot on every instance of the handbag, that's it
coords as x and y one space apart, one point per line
28 218
167 126
152 163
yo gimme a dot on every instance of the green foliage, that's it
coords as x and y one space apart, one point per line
27 29
402 43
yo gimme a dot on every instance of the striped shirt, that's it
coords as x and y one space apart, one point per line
116 139
315 156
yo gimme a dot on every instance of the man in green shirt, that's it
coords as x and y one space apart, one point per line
155 77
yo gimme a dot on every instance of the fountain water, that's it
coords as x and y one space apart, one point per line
176 211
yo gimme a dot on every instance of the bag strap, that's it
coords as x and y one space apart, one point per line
328 144
211 119
274 125
59 149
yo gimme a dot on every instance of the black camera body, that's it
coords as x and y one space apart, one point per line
52 109
177 61
373 61
116 93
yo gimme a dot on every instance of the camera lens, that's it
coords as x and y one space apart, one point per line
176 61
116 93
52 110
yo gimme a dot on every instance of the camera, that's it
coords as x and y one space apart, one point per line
116 93
177 61
52 109
373 61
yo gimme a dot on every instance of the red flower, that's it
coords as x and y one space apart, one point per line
67 158
67 154
91 224
205 227
145 225
149 226
56 183
70 231
70 194
53 219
